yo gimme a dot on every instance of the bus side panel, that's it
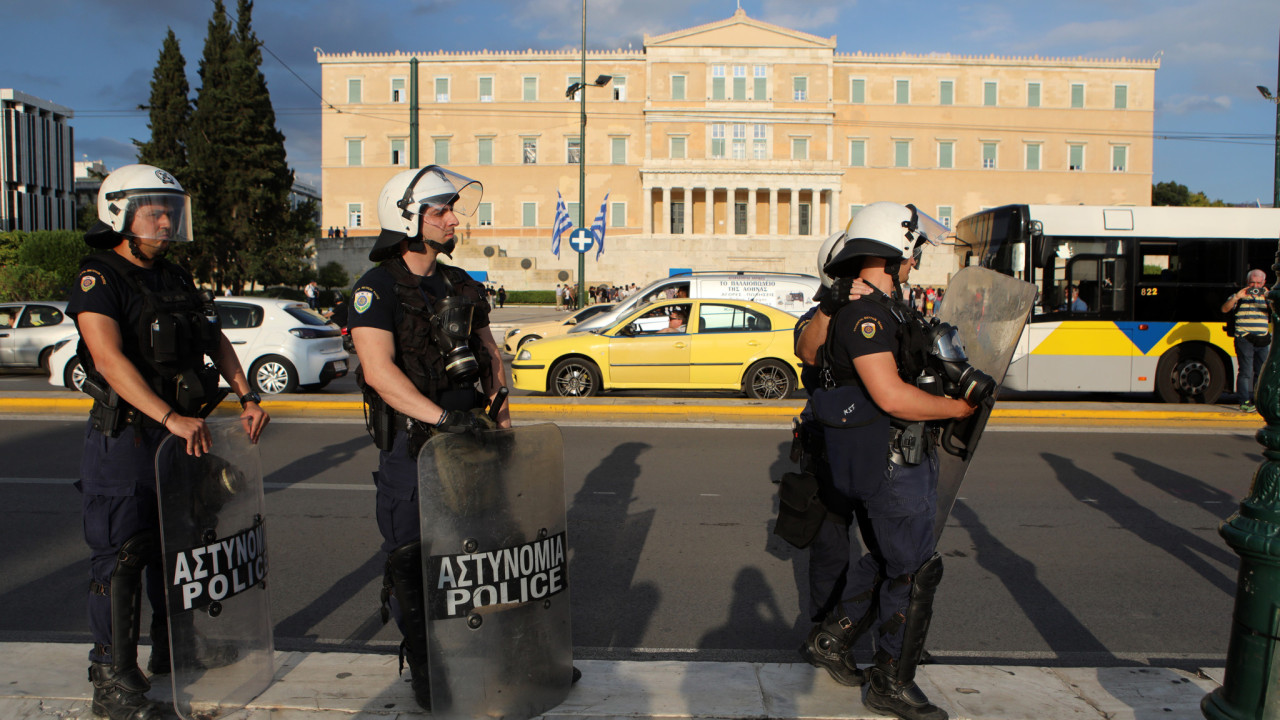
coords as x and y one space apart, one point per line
1213 333
1017 376
1080 355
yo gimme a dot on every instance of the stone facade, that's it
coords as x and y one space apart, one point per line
37 181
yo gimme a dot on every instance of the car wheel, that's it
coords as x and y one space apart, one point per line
273 375
526 340
1190 374
73 374
574 377
769 380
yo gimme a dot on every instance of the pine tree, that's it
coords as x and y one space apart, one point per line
170 113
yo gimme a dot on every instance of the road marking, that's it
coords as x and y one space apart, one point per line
345 487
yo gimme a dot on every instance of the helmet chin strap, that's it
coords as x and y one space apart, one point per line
137 251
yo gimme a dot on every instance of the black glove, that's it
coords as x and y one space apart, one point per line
836 297
461 421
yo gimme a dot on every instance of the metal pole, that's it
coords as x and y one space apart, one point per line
413 112
1249 686
582 158
1275 201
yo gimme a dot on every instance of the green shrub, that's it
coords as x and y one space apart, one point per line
530 297
25 282
282 292
57 251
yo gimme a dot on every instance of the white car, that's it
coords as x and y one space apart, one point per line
283 345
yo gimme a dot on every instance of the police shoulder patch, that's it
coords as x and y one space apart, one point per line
868 326
362 300
89 279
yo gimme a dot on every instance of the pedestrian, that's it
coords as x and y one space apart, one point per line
1248 309
312 292
559 298
344 231
879 441
128 304
502 296
410 393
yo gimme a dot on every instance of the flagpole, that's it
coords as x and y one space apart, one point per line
582 158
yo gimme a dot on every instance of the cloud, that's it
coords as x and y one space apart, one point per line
112 151
1188 104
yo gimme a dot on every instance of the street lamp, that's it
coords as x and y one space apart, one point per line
581 87
1266 93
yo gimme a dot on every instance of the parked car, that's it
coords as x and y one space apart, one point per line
283 346
518 336
725 345
30 330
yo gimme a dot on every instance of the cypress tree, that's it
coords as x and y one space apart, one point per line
212 153
170 113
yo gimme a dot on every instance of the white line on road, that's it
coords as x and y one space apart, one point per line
268 486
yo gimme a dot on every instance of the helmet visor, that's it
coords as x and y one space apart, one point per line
159 216
927 231
438 188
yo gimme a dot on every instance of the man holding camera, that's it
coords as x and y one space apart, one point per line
1253 334
880 436
421 331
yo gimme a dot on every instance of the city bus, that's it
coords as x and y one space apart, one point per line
1128 298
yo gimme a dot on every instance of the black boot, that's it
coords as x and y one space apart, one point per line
121 695
159 663
403 579
887 694
830 647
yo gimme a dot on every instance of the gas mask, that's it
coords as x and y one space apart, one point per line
949 373
452 329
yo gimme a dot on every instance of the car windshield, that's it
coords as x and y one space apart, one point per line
306 315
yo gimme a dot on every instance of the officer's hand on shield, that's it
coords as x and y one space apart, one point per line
254 418
466 421
191 429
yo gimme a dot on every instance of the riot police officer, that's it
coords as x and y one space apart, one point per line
145 331
421 331
880 432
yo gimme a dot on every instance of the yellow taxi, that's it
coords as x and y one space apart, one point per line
677 344
517 336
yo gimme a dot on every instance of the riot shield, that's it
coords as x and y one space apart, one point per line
989 310
495 573
215 565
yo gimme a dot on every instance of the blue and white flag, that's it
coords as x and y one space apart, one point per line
597 227
561 225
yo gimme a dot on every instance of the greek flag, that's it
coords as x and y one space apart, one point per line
597 227
561 225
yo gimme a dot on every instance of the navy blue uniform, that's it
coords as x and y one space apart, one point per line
117 475
899 500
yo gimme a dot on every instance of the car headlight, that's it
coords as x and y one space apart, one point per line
525 355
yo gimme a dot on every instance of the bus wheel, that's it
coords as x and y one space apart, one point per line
1190 374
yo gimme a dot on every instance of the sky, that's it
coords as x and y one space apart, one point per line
1214 132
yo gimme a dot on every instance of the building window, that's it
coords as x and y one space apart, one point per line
988 155
1122 97
1076 155
761 82
946 92
717 140
800 88
1119 158
529 150
803 215
529 93
398 156
1033 156
398 94
677 217
442 90
853 210
799 148
677 148
902 92
529 214
990 93
572 208
618 214
353 90
760 142
618 150
739 151
902 153
1077 95
355 152
1033 94
484 214
571 81
739 82
442 151
946 154
573 150
717 82
355 215
619 88
486 89
484 151
739 218
677 87
857 153
858 90
944 215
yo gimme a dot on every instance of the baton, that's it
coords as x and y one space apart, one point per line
495 407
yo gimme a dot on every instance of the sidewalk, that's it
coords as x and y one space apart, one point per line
48 680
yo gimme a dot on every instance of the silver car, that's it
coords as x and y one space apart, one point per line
29 330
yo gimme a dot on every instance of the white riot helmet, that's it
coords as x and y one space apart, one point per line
144 193
888 230
404 196
831 247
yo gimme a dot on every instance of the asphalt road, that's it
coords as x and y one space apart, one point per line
1077 549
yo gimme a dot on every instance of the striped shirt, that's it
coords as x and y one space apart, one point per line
1252 316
